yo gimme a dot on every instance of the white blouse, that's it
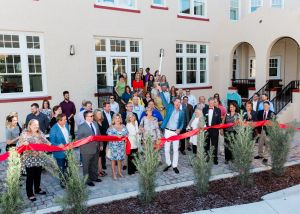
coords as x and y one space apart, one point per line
133 134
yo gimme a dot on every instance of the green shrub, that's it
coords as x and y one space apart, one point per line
76 193
11 200
202 164
279 145
242 148
147 164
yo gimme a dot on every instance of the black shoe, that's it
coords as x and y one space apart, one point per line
98 180
41 192
124 167
216 162
62 186
32 199
265 160
91 184
226 162
167 168
183 152
258 157
104 167
189 149
176 170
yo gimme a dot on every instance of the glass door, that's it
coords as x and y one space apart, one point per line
119 67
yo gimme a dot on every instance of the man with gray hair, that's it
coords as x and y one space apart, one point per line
138 109
212 116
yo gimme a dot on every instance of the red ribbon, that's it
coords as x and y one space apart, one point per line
48 148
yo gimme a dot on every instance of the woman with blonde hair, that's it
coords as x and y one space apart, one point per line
133 135
12 132
196 122
33 160
116 150
98 118
158 103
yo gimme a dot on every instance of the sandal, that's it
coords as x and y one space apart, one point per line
32 198
102 174
41 192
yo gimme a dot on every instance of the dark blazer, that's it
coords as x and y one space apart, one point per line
256 106
260 117
84 130
216 119
188 113
124 115
105 124
253 116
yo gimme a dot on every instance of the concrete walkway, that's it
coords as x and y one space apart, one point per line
282 202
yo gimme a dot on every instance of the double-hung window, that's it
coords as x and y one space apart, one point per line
234 10
193 7
255 4
277 3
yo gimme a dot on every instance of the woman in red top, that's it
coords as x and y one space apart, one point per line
138 84
219 105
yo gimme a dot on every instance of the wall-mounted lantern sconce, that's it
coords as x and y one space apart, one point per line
72 50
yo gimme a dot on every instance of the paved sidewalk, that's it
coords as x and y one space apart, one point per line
282 202
128 185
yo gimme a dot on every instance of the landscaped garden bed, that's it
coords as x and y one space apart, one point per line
225 192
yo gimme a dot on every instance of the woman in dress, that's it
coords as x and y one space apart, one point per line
46 109
196 122
147 98
98 118
56 111
12 132
231 117
133 135
117 149
138 84
150 83
33 160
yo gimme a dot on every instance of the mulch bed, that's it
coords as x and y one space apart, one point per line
225 192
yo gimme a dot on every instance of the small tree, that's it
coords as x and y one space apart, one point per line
11 200
147 164
279 145
202 164
242 148
76 193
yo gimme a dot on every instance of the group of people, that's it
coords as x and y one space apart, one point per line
151 109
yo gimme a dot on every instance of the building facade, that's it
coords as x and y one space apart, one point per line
47 47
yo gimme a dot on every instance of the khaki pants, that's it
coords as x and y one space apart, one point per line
263 144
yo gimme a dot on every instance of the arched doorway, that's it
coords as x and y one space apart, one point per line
284 60
243 67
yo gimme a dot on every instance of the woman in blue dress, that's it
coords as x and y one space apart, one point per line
116 151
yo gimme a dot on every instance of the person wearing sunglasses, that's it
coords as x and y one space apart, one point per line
114 106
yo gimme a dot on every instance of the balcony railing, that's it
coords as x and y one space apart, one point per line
243 85
266 89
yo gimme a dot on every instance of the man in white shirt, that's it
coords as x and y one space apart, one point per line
114 106
255 102
138 109
192 98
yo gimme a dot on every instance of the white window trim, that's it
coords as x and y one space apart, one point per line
116 5
250 5
108 54
239 12
251 58
282 4
197 55
159 5
192 10
23 51
278 68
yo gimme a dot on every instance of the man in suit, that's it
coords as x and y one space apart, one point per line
107 118
212 117
89 151
172 124
265 97
129 109
265 114
188 113
201 105
59 136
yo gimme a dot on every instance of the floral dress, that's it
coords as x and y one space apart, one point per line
33 158
151 128
117 148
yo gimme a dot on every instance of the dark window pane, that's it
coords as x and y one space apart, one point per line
30 59
191 77
7 38
178 77
38 69
1 44
37 60
16 45
2 68
36 45
36 39
101 80
35 83
29 45
8 44
11 83
202 77
31 69
29 39
10 68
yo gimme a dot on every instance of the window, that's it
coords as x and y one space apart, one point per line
9 41
274 68
21 71
131 4
255 4
117 46
116 56
193 7
134 46
252 67
159 2
277 3
191 64
234 10
100 45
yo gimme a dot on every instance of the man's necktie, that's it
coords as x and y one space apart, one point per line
93 129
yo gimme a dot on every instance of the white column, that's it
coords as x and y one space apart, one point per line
262 67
